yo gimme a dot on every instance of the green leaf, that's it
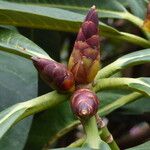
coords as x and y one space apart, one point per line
138 107
138 7
144 146
56 19
106 9
13 42
135 58
15 113
140 84
16 83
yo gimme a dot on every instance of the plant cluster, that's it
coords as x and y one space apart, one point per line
84 83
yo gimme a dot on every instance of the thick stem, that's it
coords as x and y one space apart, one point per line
106 135
91 130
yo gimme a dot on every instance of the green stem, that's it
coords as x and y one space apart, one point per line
91 130
106 135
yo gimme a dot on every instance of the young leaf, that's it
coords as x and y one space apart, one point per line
135 58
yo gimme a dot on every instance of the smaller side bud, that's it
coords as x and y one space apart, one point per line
146 24
54 74
84 103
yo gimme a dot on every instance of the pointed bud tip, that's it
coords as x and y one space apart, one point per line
93 7
92 15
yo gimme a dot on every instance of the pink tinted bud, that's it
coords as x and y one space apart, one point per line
84 61
54 74
84 103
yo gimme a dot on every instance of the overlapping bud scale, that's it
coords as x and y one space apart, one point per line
84 61
84 103
83 65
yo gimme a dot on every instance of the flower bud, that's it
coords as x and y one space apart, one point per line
146 24
54 74
84 61
84 103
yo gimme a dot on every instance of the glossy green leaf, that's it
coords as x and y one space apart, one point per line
19 111
138 7
13 42
106 9
16 85
140 84
56 19
144 146
131 59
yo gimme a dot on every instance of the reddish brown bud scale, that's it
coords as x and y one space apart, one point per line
54 74
84 61
146 24
84 103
